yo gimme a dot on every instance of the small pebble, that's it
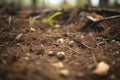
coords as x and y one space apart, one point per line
31 49
26 58
71 43
113 41
60 55
61 40
82 37
32 29
51 53
117 42
117 52
104 39
90 34
101 69
112 77
27 54
64 73
18 44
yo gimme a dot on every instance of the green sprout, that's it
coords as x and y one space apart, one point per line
33 20
50 20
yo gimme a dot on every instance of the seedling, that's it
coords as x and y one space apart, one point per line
50 20
9 20
33 20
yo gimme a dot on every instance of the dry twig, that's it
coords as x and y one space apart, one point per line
78 41
96 21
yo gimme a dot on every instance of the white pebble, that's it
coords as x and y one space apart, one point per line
117 52
26 58
82 37
51 53
117 42
64 72
71 42
61 40
113 41
101 69
61 55
32 29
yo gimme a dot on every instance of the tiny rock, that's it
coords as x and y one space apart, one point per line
113 41
18 44
101 69
32 29
64 73
51 53
71 42
19 36
82 37
61 40
60 55
112 77
117 52
90 34
117 42
26 58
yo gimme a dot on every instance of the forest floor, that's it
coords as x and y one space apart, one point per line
37 51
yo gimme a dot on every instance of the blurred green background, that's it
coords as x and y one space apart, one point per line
64 3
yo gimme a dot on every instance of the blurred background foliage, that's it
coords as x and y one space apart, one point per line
63 3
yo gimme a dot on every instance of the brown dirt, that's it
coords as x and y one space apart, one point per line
27 58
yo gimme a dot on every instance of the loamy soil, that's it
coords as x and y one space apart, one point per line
32 54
